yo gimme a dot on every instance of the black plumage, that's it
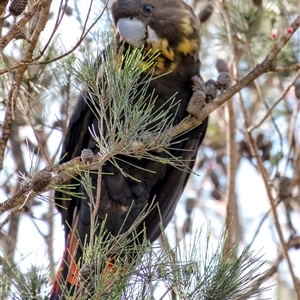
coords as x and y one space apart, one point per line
171 28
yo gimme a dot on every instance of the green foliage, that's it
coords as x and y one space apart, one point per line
115 93
19 285
191 270
199 272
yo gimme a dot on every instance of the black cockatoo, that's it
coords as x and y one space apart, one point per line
171 28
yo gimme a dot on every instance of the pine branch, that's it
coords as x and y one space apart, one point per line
73 167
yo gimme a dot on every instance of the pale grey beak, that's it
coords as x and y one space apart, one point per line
133 31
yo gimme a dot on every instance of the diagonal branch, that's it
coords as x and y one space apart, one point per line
72 168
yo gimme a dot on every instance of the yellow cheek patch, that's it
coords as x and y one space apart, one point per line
162 45
168 53
161 68
160 64
188 46
188 43
186 26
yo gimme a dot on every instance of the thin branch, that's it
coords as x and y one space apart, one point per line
293 67
263 100
294 243
264 67
74 166
272 202
283 94
34 60
230 141
95 204
18 26
267 62
291 138
9 116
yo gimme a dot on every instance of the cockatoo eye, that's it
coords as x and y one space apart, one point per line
147 8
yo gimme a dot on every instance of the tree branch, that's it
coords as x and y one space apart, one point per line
75 166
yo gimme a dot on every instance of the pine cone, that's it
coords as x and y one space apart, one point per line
196 103
87 277
284 188
68 10
198 84
20 36
205 14
87 156
17 7
223 81
221 65
40 181
216 195
211 89
189 205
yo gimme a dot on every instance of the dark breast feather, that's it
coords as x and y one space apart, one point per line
119 193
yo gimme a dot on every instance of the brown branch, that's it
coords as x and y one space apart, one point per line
9 116
272 202
293 67
231 174
230 142
264 67
291 136
18 26
96 204
34 61
267 63
66 172
50 239
73 167
262 170
3 5
13 93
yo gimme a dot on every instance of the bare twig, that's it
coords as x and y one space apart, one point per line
291 137
265 177
268 61
283 94
293 67
35 60
9 114
18 26
231 143
96 204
